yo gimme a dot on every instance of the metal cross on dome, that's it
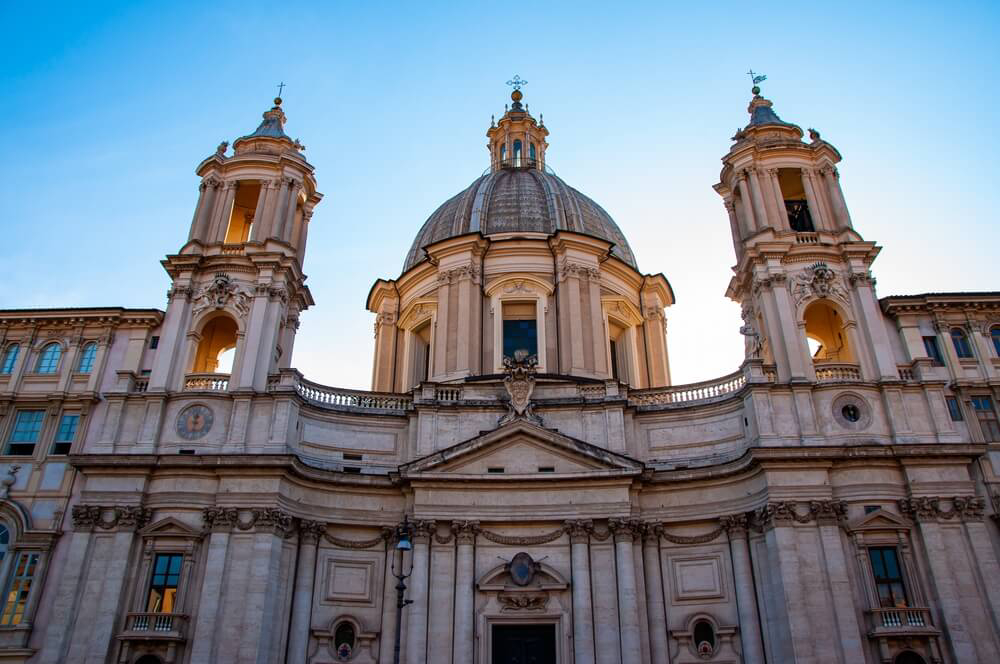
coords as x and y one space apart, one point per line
516 82
281 87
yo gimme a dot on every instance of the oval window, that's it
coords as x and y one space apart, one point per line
344 640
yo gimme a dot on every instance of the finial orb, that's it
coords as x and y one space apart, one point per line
755 89
277 101
516 95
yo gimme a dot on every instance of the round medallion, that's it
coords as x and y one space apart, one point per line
194 422
852 411
522 569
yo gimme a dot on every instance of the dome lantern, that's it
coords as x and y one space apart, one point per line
517 141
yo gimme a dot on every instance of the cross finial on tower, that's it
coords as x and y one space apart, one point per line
516 82
757 79
281 87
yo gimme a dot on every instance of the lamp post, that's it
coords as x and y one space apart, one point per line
402 546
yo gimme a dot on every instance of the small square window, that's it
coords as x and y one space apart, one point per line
66 434
24 435
954 409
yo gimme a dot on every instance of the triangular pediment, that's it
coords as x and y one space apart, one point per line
522 449
879 520
169 527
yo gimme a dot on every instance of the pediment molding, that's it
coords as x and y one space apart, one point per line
879 521
589 459
169 527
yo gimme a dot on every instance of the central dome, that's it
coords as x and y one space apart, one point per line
512 200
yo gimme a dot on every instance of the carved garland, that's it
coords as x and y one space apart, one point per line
124 516
523 540
928 508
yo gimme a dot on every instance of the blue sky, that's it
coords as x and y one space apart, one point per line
109 107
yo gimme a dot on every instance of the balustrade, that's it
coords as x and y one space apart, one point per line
900 620
212 382
334 397
145 625
691 393
835 373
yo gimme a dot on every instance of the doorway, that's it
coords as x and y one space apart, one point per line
524 644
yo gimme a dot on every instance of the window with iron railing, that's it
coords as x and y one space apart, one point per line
888 577
163 583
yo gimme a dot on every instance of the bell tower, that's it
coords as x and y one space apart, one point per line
802 274
238 285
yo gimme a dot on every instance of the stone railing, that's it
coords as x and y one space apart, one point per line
900 620
140 385
335 397
232 250
211 382
155 625
906 372
807 238
448 393
708 390
836 373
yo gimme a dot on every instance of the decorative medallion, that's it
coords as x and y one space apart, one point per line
520 383
522 569
817 280
194 422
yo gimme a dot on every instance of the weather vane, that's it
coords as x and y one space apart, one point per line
757 80
281 86
516 82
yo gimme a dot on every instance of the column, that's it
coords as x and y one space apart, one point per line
628 615
654 595
820 221
277 220
258 214
465 607
747 202
771 175
829 514
220 521
298 637
196 218
64 605
416 626
734 226
289 220
760 209
583 613
223 213
843 219
746 597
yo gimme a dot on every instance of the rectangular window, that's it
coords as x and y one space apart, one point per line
19 590
163 584
954 409
520 335
932 350
888 577
9 359
154 342
983 406
66 434
24 435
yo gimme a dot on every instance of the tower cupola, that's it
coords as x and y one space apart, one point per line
517 141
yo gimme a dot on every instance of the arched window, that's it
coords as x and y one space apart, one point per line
909 657
217 337
9 359
994 334
961 342
704 637
826 335
503 153
243 212
533 153
87 356
344 639
48 359
517 153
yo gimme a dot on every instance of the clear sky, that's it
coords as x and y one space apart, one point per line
110 106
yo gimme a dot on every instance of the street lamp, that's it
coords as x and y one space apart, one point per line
402 545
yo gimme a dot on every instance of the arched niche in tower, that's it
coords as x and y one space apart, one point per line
827 334
217 336
242 214
793 193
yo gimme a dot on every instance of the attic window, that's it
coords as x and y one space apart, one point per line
354 470
546 469
352 457
871 508
495 470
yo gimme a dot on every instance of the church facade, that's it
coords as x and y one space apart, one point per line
523 483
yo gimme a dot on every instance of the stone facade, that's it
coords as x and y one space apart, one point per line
832 500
